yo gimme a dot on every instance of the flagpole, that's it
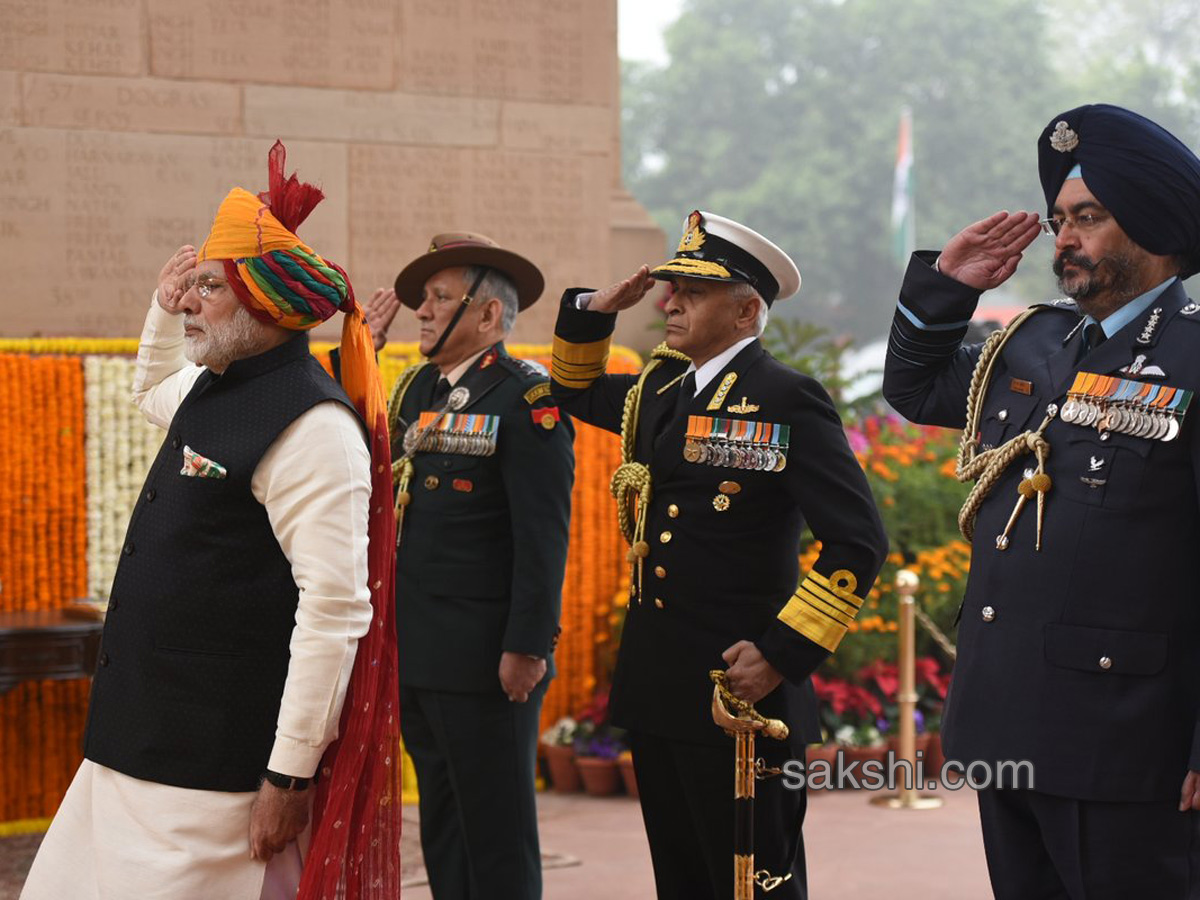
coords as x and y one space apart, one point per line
904 218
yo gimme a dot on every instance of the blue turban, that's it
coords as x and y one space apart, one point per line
1144 175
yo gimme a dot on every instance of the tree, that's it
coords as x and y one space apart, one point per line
783 114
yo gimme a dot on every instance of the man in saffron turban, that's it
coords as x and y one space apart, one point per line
250 624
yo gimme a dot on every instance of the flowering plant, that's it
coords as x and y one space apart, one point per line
594 736
561 733
882 679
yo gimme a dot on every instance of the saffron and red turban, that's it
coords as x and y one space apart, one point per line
355 848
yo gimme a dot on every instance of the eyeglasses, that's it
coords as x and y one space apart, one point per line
1086 222
205 286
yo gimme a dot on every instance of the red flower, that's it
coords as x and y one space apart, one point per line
928 673
884 675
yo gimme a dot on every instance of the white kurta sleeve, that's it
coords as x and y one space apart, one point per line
315 482
164 375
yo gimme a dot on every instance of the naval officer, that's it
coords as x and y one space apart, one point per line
728 453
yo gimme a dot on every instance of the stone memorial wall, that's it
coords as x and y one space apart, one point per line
124 122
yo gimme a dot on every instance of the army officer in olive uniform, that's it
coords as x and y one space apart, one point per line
731 452
1079 642
486 465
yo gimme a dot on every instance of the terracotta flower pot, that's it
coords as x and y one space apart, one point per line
564 776
625 764
600 776
824 752
935 758
863 754
922 744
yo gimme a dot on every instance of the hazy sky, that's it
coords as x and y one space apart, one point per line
639 27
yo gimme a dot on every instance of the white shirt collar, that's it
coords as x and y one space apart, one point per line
711 369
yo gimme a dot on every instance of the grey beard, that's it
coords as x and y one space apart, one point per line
1122 285
236 338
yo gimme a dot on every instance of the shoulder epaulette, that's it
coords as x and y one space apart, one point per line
1066 304
524 368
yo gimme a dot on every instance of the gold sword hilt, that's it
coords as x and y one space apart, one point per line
736 716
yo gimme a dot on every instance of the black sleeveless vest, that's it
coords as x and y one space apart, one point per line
196 644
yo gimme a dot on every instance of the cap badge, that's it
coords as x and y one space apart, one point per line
1064 140
693 238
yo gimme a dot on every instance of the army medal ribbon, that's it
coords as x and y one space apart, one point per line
469 434
736 443
1136 408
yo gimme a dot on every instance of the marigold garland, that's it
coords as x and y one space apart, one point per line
57 545
42 542
121 445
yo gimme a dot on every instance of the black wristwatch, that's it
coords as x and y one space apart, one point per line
287 782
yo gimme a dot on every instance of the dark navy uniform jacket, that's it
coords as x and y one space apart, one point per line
484 543
714 575
1083 658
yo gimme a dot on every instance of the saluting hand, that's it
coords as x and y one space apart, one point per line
520 674
276 818
623 294
174 279
985 255
379 312
750 676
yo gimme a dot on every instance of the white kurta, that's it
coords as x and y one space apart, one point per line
119 837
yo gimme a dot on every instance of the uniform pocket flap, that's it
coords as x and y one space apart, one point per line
1104 650
454 462
1090 438
1010 408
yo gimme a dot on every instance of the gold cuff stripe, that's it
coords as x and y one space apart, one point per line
852 603
838 610
577 368
842 582
568 381
593 353
818 628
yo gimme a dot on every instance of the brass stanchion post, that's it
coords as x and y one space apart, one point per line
909 796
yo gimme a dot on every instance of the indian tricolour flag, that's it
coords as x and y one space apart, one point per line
904 222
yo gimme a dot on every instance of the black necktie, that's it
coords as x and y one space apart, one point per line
687 391
440 391
1094 336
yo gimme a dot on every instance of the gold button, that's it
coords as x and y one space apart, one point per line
673 511
665 537
660 571
431 482
658 603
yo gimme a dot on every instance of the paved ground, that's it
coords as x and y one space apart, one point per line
855 851
596 850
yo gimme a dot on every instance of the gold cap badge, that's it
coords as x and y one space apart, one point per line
693 237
